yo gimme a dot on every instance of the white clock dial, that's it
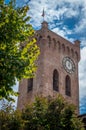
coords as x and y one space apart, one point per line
68 64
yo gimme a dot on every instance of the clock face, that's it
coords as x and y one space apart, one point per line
68 65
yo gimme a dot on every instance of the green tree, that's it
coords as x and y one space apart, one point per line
51 114
43 114
9 118
18 49
34 115
61 115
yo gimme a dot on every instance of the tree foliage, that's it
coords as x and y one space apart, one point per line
43 114
9 118
18 50
51 114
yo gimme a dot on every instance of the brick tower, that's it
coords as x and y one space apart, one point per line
57 69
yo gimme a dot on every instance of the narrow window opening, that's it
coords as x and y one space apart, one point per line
40 38
30 84
55 80
68 86
49 40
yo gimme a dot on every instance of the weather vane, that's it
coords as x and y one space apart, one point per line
43 14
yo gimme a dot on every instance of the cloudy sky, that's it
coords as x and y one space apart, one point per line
68 19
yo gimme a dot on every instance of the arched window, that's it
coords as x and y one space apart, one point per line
72 52
55 80
40 37
68 86
59 45
63 48
68 50
49 40
54 41
30 84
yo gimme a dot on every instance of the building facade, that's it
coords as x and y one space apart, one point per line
57 70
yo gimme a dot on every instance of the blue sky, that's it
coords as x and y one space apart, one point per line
68 19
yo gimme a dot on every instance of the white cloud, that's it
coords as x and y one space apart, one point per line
83 41
63 32
60 32
81 26
56 10
82 73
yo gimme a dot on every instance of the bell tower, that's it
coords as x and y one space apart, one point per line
57 71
